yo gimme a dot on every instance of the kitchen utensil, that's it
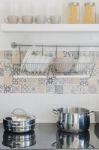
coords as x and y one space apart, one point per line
19 122
12 19
69 141
19 140
73 120
27 19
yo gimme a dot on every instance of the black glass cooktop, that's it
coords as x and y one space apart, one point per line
46 136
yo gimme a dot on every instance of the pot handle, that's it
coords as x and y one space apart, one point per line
91 146
91 112
54 144
55 111
18 111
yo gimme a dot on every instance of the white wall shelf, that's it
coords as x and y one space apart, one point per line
49 27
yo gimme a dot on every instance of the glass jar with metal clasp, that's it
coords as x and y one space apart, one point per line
89 13
73 13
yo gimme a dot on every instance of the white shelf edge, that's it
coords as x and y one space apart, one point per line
60 76
49 27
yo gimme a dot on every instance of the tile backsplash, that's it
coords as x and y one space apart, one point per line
13 84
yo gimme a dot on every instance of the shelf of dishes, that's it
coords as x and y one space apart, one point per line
74 15
49 28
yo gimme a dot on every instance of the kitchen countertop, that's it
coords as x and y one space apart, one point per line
45 135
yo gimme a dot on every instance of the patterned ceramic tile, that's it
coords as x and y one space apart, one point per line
42 80
76 89
1 80
7 88
16 58
16 88
1 55
26 89
1 72
1 88
8 55
10 65
50 88
59 89
7 80
29 85
67 88
15 81
93 89
41 87
1 84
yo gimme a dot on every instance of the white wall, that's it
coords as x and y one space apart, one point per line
42 105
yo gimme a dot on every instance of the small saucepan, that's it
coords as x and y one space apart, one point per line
19 122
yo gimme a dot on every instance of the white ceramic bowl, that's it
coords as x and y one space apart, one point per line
37 63
63 65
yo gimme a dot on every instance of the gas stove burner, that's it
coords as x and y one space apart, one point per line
19 140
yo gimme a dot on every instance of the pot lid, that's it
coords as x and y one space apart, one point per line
19 114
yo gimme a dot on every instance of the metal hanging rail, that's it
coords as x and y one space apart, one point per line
14 45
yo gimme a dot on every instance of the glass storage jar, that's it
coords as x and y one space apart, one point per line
73 13
89 13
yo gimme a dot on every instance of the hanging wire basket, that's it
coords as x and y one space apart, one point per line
38 69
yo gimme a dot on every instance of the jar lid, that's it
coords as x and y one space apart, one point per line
90 3
74 3
19 115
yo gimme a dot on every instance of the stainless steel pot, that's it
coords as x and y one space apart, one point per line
71 141
19 140
73 120
19 122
